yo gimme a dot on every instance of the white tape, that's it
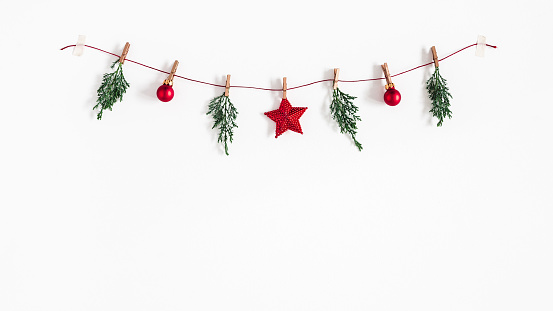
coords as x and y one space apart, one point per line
480 46
78 50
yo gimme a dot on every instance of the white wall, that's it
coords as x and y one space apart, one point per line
143 211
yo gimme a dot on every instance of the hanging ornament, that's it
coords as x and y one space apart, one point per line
344 111
286 117
392 97
113 86
165 92
224 115
438 92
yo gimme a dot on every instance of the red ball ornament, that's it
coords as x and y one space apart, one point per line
165 93
392 97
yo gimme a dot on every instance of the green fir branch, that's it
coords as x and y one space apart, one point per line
112 89
438 92
344 112
224 114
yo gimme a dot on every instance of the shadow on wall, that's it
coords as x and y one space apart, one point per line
426 56
376 89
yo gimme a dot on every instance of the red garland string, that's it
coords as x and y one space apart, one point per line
280 90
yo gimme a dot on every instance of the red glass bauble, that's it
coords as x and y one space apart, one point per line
165 93
392 97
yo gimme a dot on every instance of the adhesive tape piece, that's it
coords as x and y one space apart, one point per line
78 50
480 45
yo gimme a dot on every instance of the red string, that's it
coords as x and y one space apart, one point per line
278 90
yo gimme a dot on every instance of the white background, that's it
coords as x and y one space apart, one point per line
143 211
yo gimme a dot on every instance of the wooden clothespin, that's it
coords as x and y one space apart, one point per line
284 87
125 52
389 83
169 80
435 57
227 86
336 74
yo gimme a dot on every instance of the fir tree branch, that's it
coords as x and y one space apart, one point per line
112 89
438 92
343 111
224 114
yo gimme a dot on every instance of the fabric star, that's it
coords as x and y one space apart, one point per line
286 117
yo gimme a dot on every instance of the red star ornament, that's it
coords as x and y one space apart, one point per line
286 117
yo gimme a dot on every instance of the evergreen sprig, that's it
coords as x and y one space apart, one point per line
224 114
343 111
112 89
438 92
